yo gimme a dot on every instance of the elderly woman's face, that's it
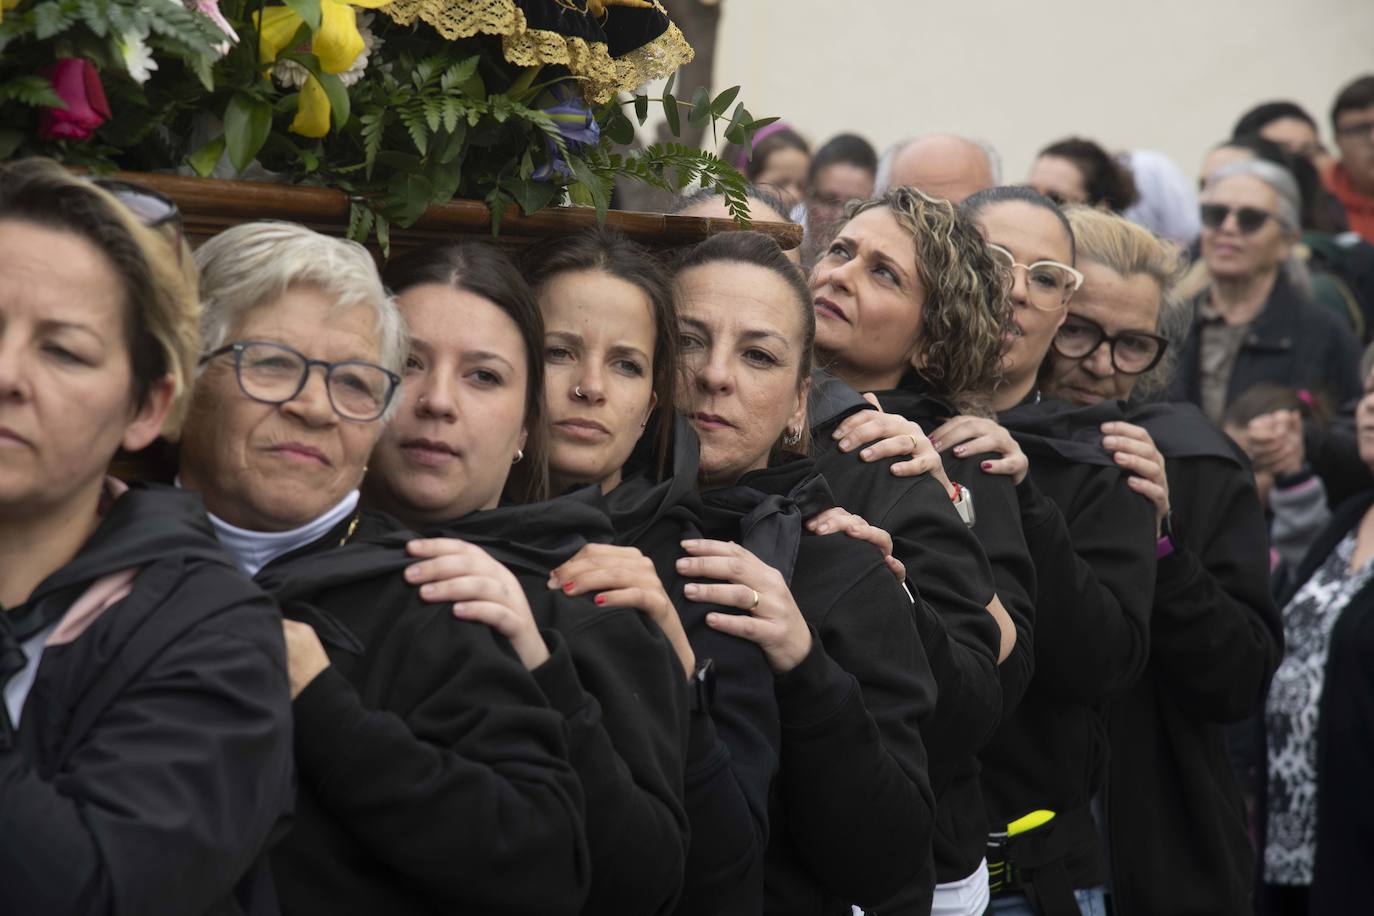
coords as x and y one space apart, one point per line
869 299
1233 254
1119 306
274 467
66 382
741 346
449 450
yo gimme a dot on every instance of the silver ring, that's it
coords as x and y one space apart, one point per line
577 392
756 601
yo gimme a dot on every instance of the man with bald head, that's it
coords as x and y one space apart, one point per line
941 165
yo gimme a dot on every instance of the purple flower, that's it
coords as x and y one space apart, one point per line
575 122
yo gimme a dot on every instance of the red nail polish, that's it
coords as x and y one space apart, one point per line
569 586
600 599
987 465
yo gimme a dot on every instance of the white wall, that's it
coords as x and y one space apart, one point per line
1171 75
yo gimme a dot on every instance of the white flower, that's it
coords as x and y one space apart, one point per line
292 75
136 55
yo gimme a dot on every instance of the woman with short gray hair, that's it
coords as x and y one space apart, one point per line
433 773
1255 322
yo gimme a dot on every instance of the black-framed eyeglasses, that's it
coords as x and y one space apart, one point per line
153 208
1133 352
1248 219
274 373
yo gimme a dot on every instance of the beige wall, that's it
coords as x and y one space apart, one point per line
1171 75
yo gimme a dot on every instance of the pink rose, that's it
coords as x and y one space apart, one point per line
77 83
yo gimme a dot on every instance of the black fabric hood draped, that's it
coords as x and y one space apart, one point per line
914 399
831 400
1059 428
531 538
642 498
768 507
1181 430
145 524
1074 433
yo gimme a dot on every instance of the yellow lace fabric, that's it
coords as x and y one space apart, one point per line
604 75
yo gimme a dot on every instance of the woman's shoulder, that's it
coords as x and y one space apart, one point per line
831 566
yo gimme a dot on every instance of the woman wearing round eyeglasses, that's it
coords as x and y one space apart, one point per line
1091 539
433 772
1256 322
1175 822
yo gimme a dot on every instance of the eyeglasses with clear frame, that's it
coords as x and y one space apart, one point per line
1132 352
1049 284
273 373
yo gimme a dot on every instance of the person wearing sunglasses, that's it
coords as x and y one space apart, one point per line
1256 322
145 735
1352 178
1174 820
434 774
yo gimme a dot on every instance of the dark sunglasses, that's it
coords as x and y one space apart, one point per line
1248 219
153 208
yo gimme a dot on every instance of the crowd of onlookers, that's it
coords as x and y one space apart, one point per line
1006 547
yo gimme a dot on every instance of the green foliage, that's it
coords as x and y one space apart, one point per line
427 120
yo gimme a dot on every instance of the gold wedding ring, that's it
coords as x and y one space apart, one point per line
756 601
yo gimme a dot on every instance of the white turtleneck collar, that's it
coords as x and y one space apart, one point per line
252 550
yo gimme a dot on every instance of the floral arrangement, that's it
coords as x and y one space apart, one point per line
362 95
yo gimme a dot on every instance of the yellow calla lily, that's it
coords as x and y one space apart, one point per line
337 44
7 5
275 31
312 110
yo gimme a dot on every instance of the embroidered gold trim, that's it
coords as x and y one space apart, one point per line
604 75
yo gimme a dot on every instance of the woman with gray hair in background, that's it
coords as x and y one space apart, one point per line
1256 323
433 773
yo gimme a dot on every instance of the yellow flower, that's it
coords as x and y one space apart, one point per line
7 5
337 44
312 110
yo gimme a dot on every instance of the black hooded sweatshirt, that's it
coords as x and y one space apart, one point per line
953 581
1093 542
152 763
1176 824
733 747
851 811
622 691
434 775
